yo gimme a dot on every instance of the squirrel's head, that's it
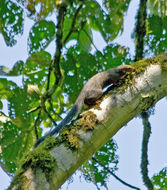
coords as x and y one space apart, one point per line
125 68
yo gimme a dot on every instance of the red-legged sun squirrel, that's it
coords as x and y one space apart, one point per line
91 92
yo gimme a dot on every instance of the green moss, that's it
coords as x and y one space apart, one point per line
158 60
88 121
39 158
69 135
139 67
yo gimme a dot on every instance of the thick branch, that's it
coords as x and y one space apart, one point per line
140 30
144 158
59 46
59 158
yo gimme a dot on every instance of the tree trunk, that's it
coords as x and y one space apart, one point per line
55 160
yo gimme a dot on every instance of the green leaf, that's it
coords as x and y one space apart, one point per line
156 39
85 38
4 71
109 23
78 67
41 34
11 21
15 71
160 180
13 145
115 55
36 68
158 8
67 28
5 88
1 105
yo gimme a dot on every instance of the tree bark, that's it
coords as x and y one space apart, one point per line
94 128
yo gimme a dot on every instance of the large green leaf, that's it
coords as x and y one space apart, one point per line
85 38
36 68
41 34
156 39
109 23
11 21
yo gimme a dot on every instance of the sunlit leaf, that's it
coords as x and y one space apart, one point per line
40 9
6 87
36 68
157 7
110 23
85 38
41 34
11 21
15 71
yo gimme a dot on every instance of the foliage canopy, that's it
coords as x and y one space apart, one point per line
51 83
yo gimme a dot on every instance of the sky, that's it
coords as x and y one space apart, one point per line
129 138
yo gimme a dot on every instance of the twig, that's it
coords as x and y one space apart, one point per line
48 79
109 171
35 124
34 109
50 117
72 24
51 106
59 45
90 40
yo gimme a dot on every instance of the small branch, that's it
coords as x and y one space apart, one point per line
90 40
116 177
51 106
56 63
73 24
34 109
59 45
144 158
48 78
56 60
50 117
140 30
35 124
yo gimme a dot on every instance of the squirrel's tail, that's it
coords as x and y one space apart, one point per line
66 120
73 112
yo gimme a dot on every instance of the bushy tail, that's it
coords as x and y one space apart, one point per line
66 120
75 109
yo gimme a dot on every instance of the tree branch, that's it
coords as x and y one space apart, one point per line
115 176
56 159
140 35
35 125
144 157
59 46
140 30
73 24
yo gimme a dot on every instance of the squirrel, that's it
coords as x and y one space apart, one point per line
90 93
